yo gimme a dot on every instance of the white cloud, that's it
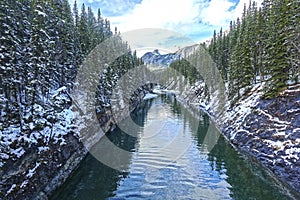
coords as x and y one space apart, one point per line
217 13
158 14
188 17
193 18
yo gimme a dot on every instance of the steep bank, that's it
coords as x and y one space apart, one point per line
38 171
267 130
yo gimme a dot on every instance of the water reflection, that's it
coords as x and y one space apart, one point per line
176 161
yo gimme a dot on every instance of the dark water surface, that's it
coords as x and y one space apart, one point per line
170 156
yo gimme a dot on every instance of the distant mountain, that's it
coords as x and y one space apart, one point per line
158 59
164 60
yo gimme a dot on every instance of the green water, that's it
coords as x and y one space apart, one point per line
170 156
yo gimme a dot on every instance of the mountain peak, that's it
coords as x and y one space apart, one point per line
156 58
156 52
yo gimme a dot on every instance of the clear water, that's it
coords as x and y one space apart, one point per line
170 157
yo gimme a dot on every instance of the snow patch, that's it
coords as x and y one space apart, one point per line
18 152
24 184
41 149
11 189
158 91
32 171
150 96
59 90
41 13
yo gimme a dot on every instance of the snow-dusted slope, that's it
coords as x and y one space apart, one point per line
268 130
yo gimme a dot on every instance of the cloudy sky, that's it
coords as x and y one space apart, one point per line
195 19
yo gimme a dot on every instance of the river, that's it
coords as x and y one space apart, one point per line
172 155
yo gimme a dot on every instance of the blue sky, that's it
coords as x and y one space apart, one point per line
195 19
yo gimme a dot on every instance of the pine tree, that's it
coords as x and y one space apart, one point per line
10 62
91 28
226 55
260 31
78 57
293 38
276 49
235 62
40 52
99 31
83 32
213 46
253 36
246 56
107 30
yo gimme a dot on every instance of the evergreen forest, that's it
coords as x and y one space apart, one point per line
263 46
43 43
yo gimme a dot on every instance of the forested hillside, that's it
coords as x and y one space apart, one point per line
261 46
42 46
